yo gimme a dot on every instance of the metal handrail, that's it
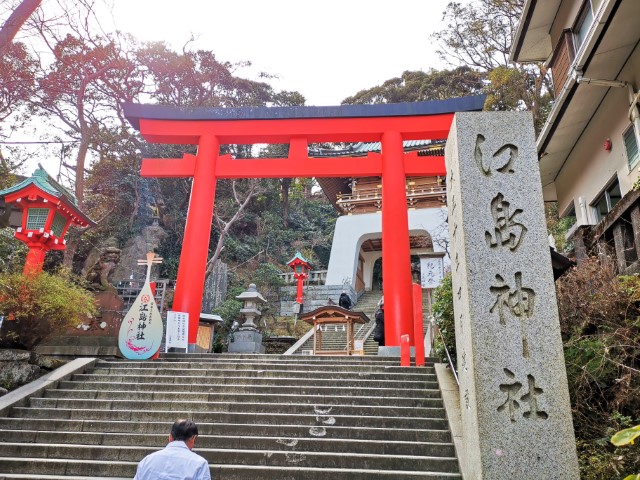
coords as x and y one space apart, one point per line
446 350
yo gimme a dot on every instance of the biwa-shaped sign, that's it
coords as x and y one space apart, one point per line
141 330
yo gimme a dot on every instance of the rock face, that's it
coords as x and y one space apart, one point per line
99 275
136 249
18 367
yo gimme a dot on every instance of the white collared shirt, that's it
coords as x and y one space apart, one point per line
174 462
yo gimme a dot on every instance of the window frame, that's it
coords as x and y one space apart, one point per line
606 194
630 132
579 24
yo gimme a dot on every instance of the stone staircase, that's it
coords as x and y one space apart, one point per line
259 416
334 337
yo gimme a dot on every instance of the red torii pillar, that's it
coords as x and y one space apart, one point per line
396 256
197 231
211 127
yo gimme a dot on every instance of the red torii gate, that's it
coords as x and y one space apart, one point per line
298 126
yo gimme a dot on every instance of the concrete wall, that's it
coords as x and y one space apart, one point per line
589 168
565 18
352 230
315 296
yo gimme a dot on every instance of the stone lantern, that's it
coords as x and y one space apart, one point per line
248 339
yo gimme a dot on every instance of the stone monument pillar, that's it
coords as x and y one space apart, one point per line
248 339
516 415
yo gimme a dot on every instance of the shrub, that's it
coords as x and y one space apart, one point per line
624 438
443 313
41 305
601 333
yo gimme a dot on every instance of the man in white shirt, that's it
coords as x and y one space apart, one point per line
176 461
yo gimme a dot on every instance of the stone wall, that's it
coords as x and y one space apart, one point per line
19 367
315 296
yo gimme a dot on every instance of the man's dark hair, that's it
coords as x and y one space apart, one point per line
183 430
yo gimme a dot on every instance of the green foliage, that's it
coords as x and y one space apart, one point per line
558 227
627 437
478 34
418 86
12 252
38 306
445 318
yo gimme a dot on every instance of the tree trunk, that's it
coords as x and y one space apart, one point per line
15 22
285 185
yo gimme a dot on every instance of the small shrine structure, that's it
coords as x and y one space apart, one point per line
48 210
333 315
301 268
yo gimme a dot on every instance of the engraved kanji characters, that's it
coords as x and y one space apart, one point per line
507 231
485 164
520 302
511 403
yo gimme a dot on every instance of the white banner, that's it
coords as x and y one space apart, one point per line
177 330
431 272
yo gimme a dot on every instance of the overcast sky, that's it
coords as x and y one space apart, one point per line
326 50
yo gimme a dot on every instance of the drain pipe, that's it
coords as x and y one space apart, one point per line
634 111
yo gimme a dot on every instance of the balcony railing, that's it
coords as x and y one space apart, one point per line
315 276
371 201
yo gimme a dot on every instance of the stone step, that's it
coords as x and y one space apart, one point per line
246 380
65 469
355 419
290 360
350 359
276 369
300 373
31 451
331 398
213 379
246 407
309 444
286 430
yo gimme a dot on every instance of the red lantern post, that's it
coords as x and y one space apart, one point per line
301 268
48 209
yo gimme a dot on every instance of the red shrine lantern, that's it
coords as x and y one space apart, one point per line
301 268
48 209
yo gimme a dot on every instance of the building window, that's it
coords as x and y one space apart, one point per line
569 219
607 200
631 146
582 26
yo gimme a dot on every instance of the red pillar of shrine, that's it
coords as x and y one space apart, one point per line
197 231
396 256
